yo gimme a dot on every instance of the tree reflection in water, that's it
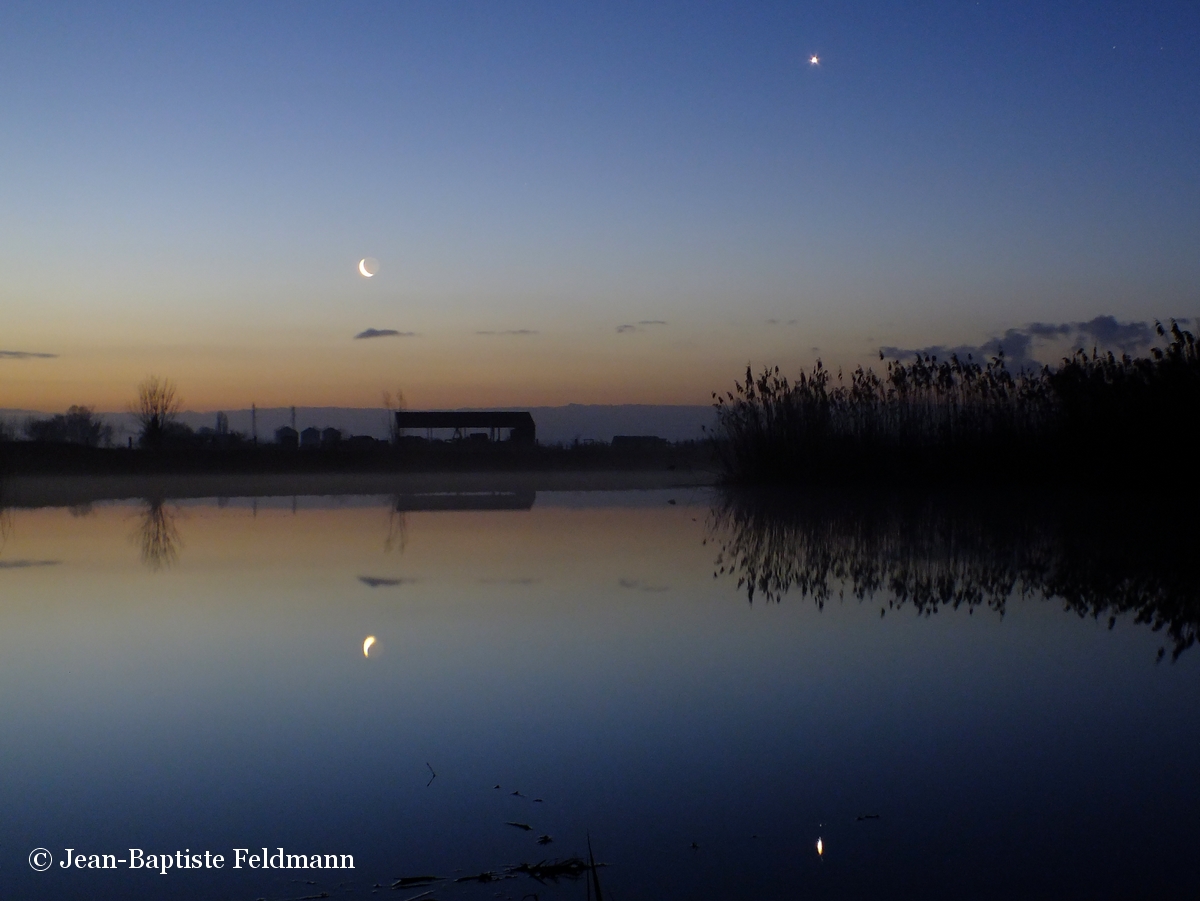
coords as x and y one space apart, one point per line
1102 559
157 534
6 525
397 528
5 518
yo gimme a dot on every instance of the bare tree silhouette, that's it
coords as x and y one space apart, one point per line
156 407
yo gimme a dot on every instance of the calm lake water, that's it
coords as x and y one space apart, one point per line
193 676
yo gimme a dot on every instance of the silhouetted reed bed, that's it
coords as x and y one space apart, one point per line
966 420
1102 558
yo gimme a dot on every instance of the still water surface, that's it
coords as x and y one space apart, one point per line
193 676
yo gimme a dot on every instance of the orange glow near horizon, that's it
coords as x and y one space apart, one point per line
434 371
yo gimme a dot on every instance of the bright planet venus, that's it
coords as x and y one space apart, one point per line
368 266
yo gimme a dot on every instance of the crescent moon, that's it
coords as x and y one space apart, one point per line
367 645
362 267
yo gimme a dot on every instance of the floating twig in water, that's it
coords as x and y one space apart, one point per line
418 897
524 826
553 870
415 881
866 816
432 777
487 876
544 839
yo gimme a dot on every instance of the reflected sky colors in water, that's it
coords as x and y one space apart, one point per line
580 652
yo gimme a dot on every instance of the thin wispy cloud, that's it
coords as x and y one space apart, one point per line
511 331
381 582
383 333
25 355
641 325
1021 345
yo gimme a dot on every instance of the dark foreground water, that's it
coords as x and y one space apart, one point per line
193 677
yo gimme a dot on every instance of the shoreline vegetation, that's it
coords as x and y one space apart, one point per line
80 443
56 490
1094 420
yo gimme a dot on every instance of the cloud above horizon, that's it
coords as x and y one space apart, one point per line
640 326
383 333
25 355
1019 345
511 331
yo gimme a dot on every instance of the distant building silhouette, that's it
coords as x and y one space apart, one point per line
286 436
310 437
330 437
520 425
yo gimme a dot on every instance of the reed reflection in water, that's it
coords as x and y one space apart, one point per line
1126 557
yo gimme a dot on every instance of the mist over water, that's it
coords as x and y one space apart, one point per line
192 675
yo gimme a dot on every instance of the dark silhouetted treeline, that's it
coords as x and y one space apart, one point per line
1096 416
212 453
79 425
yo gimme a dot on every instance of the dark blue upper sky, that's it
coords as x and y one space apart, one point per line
189 177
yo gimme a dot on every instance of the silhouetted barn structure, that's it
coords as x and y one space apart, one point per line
520 425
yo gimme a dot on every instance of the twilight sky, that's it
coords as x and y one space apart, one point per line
594 203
